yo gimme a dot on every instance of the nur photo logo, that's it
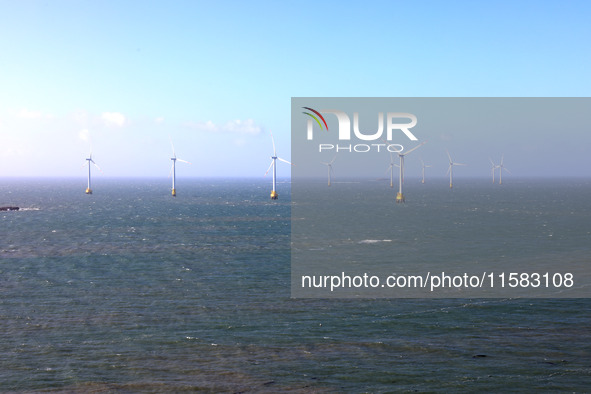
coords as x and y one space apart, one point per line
388 128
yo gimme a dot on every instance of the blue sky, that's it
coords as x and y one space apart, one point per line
217 76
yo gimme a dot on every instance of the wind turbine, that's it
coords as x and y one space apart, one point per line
501 168
391 169
399 195
173 168
87 162
423 171
274 159
493 168
329 167
450 169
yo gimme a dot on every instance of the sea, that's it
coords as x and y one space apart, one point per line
132 290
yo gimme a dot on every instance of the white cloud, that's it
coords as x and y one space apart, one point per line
79 116
26 114
247 126
237 126
84 135
205 126
13 151
160 119
113 119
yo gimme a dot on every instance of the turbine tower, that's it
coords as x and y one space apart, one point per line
87 162
391 169
501 168
329 167
173 168
274 159
493 168
423 171
399 195
450 169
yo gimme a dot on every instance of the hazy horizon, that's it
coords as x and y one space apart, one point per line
121 79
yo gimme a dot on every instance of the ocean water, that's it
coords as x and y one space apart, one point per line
132 290
524 227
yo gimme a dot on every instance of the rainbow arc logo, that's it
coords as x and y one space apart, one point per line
315 118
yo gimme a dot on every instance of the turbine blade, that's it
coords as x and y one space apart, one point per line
285 161
448 169
269 169
506 169
273 140
184 161
502 157
171 144
449 156
332 161
458 164
170 172
416 147
96 165
391 157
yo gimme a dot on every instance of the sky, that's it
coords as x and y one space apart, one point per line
123 78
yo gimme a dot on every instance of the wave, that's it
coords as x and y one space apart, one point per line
374 241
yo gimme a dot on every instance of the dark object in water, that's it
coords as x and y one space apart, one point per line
9 208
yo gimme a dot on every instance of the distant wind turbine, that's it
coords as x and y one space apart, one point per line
424 166
87 162
399 195
173 168
391 169
501 168
450 169
274 159
329 167
493 168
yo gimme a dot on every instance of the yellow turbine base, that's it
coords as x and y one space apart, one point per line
274 195
174 192
399 197
88 191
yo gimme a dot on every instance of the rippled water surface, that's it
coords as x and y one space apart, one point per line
131 289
